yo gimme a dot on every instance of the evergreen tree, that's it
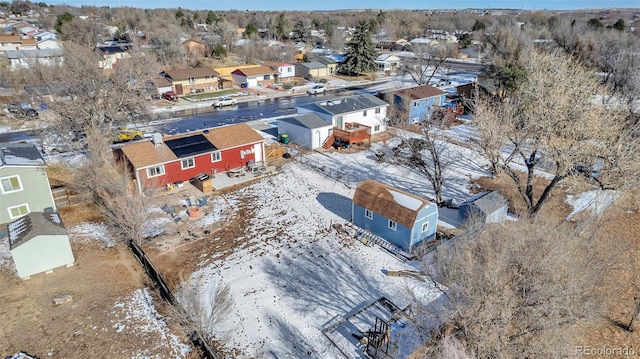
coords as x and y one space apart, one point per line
212 18
300 32
595 23
361 53
250 29
282 27
619 25
478 25
61 20
179 14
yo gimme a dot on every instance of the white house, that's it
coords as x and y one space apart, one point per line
286 71
308 130
364 109
49 44
254 76
387 62
39 243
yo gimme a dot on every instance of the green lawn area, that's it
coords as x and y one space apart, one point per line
210 95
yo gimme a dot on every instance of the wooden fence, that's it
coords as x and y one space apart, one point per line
63 197
275 150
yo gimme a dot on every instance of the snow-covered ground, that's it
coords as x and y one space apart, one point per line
293 276
138 313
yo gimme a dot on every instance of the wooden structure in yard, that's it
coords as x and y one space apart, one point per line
203 182
353 133
275 150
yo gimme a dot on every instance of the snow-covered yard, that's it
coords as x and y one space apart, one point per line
293 276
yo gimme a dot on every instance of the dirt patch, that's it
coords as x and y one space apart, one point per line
88 323
556 203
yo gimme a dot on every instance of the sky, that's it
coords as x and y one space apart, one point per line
266 5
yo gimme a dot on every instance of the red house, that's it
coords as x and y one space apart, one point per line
168 159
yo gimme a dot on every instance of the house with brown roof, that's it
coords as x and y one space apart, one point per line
192 80
166 160
419 101
14 42
255 76
402 218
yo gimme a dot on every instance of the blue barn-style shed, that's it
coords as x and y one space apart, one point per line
401 218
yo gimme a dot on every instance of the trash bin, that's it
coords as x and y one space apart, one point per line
284 138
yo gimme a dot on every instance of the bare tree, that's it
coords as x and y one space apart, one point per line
426 61
427 154
205 306
82 98
517 290
554 123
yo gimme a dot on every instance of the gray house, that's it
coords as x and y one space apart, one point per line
24 185
307 130
486 207
39 243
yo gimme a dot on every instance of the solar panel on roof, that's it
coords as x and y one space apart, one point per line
190 146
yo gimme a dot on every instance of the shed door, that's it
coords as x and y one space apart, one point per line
317 142
257 150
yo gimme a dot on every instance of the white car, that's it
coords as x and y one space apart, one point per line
224 101
317 89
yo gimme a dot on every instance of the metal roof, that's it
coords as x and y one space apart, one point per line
346 104
488 201
34 224
308 120
20 154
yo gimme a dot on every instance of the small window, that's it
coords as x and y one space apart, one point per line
393 225
368 214
364 113
425 227
289 69
188 163
18 211
11 184
216 157
378 111
415 103
155 171
376 128
192 80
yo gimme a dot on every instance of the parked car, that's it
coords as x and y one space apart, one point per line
21 109
125 134
317 89
224 101
170 95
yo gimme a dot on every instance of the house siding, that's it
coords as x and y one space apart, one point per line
41 254
371 119
403 237
306 137
35 191
420 109
205 84
230 159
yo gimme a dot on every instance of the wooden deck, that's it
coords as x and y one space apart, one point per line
353 133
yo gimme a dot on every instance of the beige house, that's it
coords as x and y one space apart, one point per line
192 80
14 42
312 69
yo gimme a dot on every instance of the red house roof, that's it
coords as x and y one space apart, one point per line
145 154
